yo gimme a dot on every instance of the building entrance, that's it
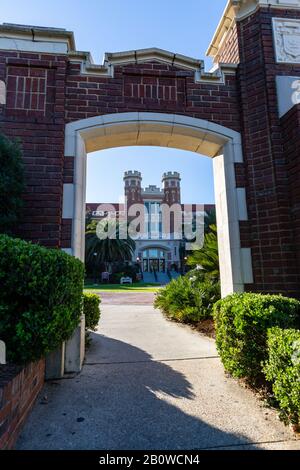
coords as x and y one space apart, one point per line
154 260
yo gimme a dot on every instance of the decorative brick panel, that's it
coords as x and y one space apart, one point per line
157 89
31 90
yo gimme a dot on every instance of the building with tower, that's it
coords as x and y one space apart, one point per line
159 247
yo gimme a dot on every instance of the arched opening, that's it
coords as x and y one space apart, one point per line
174 131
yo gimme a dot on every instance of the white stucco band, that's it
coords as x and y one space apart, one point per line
242 204
174 131
33 46
68 201
2 92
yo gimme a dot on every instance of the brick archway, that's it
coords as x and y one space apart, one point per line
47 87
174 131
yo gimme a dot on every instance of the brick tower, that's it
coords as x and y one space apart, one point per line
132 187
171 186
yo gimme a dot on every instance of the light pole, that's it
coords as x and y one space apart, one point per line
139 268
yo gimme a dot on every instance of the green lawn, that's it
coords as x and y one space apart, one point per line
135 287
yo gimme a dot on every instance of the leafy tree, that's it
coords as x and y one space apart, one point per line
11 183
109 249
207 257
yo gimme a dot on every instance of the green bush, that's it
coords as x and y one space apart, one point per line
282 369
40 298
242 321
11 183
123 270
91 309
187 301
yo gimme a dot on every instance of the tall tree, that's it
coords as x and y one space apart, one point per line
110 248
11 183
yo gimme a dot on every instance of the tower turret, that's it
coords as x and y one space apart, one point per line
133 187
171 186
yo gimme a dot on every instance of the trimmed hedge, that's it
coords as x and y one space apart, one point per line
91 309
283 369
40 298
242 321
186 301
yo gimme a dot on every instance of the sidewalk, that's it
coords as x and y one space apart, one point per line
150 384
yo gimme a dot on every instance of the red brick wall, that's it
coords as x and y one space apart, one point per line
150 87
269 232
291 134
35 113
45 91
172 195
19 389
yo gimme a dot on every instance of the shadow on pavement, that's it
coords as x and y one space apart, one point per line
122 406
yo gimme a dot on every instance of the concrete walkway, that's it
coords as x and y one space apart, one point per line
150 384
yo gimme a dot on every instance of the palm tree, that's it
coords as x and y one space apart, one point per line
207 257
210 218
108 248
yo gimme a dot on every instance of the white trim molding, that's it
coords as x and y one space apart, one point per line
141 56
176 131
36 38
28 38
68 201
2 92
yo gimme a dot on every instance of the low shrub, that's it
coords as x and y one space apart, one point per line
242 322
282 369
91 309
123 270
40 298
187 301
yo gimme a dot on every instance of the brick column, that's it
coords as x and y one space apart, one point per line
270 227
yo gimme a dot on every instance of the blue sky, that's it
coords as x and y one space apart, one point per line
116 25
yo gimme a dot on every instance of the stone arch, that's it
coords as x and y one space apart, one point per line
174 131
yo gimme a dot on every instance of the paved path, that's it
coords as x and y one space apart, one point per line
150 384
127 298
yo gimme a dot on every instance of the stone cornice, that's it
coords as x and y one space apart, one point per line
38 34
37 39
141 56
